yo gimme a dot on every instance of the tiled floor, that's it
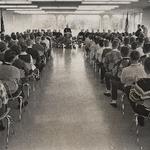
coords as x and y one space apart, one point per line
69 112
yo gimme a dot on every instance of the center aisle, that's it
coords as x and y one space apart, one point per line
69 112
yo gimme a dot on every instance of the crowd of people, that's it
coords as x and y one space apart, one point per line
123 61
22 59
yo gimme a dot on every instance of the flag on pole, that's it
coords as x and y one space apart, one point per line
127 24
2 22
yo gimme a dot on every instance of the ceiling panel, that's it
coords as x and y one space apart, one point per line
75 5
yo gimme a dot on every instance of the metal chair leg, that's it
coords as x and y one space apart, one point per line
20 107
122 104
28 89
8 131
137 133
33 87
12 124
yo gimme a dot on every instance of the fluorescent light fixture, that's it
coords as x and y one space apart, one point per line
23 9
56 0
15 2
18 6
30 12
77 13
101 7
111 0
102 2
61 8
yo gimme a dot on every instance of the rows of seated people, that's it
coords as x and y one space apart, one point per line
22 59
123 61
142 31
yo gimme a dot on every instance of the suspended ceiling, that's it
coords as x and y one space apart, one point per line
72 6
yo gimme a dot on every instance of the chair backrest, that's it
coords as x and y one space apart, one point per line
10 75
3 95
3 99
8 72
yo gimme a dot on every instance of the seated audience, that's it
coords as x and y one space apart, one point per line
9 74
140 95
140 46
27 58
2 51
106 50
116 83
3 103
134 72
110 60
34 53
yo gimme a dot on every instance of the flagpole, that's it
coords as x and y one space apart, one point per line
2 22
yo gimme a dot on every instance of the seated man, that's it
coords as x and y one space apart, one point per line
34 53
87 44
140 46
134 72
3 103
140 95
9 74
106 50
40 49
27 58
110 60
18 63
2 51
117 70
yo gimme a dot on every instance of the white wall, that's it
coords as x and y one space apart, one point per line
16 22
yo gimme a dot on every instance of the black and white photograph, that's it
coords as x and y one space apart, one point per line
74 74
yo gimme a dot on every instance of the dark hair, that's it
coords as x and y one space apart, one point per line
147 65
7 38
124 51
134 45
115 44
132 39
23 47
43 38
135 56
9 56
16 49
141 39
126 40
146 48
2 37
13 36
106 43
101 43
96 41
2 46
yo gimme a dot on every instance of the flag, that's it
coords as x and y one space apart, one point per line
127 24
2 22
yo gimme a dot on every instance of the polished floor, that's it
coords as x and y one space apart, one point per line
69 112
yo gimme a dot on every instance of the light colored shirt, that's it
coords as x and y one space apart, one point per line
140 50
87 42
132 74
99 54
